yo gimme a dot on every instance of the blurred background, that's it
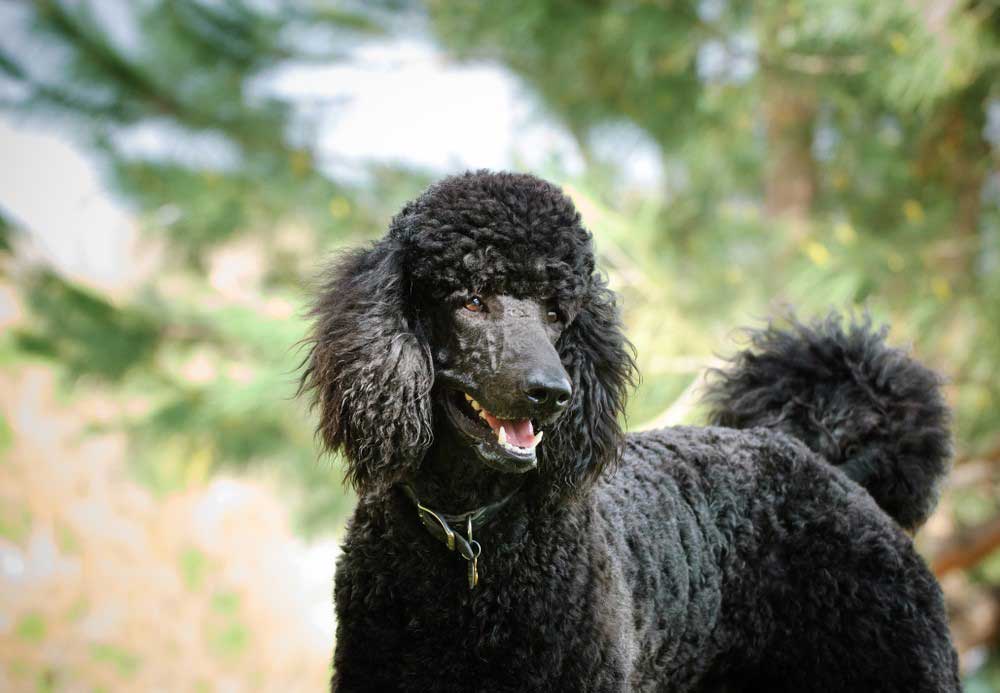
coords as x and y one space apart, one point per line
174 172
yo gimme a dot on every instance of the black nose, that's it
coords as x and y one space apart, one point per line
549 391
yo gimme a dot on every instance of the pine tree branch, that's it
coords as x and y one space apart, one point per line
111 62
48 94
789 62
145 89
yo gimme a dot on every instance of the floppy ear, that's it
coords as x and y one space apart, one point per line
588 438
368 370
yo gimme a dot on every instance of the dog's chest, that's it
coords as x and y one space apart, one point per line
574 607
540 618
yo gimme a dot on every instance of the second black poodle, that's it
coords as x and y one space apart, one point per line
471 368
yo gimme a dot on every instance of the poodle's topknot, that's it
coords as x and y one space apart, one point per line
869 409
493 232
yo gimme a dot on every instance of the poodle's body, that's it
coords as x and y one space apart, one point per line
713 559
728 558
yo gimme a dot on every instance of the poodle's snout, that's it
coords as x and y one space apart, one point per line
547 391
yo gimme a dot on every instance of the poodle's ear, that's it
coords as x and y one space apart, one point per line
369 370
588 438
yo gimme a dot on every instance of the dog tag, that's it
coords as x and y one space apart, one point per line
476 549
473 573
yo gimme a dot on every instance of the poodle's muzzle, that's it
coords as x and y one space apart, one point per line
502 378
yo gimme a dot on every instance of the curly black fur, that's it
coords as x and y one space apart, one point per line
707 559
376 409
866 408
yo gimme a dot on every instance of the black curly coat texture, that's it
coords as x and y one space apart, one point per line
721 558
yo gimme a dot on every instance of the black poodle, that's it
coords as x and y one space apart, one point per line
510 537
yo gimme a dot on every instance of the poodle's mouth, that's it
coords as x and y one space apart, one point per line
507 444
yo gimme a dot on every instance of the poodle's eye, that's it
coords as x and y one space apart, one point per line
553 316
475 304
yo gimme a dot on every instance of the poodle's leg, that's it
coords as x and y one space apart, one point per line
366 655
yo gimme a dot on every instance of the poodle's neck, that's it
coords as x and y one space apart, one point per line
457 483
453 480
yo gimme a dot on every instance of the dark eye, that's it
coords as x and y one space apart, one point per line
475 304
553 316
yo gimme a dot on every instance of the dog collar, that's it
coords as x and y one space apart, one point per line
439 525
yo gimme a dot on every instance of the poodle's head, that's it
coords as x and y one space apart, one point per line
479 325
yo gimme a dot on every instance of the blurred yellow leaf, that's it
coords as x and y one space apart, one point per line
340 207
899 43
913 211
941 288
983 398
301 162
818 253
845 233
198 467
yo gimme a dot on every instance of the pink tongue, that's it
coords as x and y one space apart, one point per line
519 431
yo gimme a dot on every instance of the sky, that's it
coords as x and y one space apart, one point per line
52 189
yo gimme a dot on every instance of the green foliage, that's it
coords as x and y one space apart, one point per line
590 62
31 627
122 660
85 332
6 436
6 236
229 640
193 566
15 522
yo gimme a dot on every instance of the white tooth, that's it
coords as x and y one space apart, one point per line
502 435
468 396
536 441
475 405
482 415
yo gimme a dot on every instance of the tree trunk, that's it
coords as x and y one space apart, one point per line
789 109
790 172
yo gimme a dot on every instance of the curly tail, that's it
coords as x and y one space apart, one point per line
868 409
